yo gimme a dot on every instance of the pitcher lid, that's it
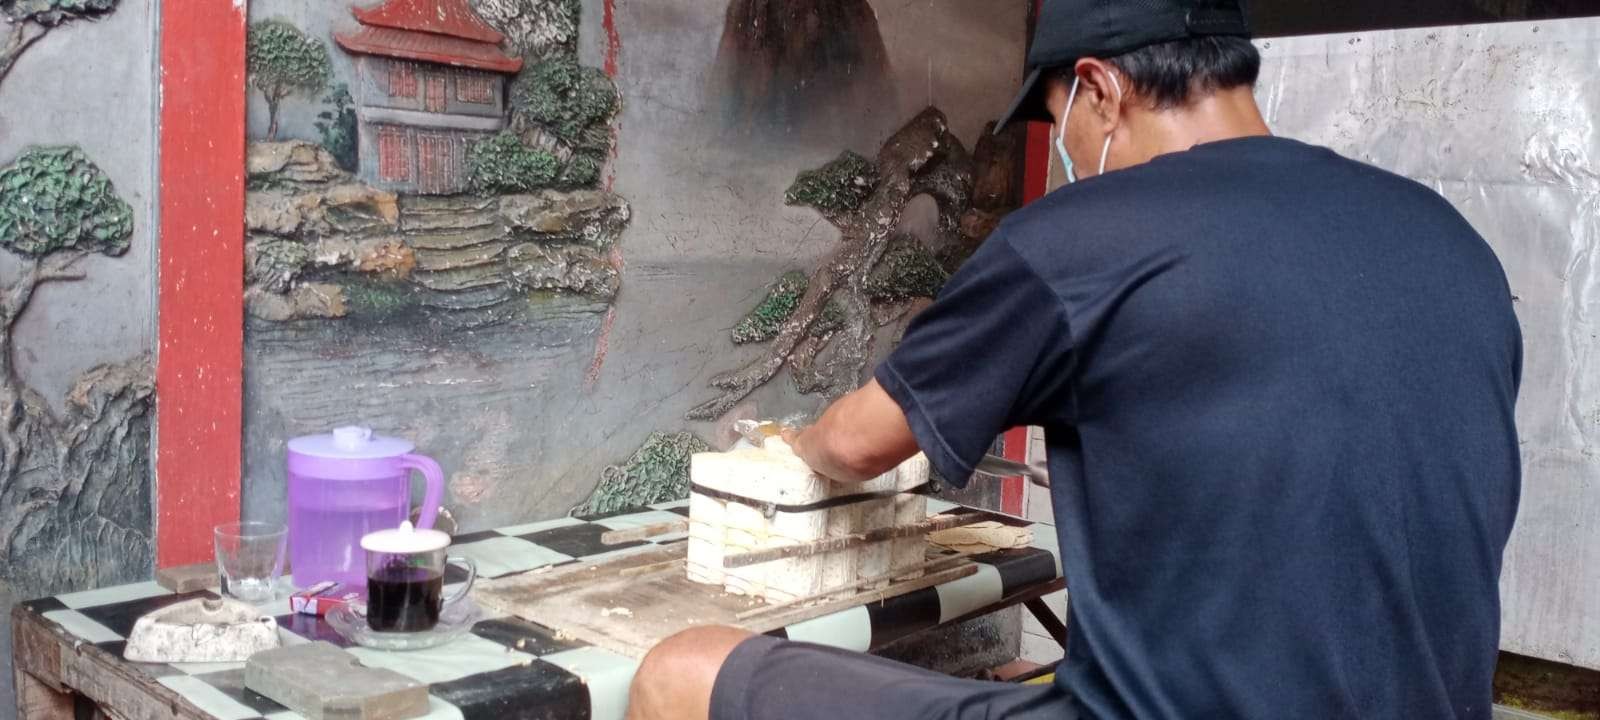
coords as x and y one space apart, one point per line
405 540
351 443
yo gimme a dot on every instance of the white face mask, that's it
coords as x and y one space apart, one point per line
1061 137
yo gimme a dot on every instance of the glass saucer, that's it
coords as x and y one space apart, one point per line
457 618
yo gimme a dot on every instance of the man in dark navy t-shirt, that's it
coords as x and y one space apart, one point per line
1277 387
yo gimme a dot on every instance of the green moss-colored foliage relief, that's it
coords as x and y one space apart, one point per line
553 99
563 17
282 61
54 198
908 270
582 171
566 98
595 139
502 164
53 12
831 319
657 472
782 300
337 126
840 186
377 299
279 55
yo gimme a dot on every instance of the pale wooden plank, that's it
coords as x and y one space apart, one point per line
58 661
630 603
34 649
38 701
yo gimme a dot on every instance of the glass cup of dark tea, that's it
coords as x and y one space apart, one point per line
405 578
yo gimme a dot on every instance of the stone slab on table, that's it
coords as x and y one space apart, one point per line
510 668
323 682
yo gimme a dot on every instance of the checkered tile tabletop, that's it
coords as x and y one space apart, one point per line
510 668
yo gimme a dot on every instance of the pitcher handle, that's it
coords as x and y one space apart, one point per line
434 494
472 575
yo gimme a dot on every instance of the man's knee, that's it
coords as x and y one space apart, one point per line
676 677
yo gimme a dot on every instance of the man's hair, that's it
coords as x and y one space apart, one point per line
1171 74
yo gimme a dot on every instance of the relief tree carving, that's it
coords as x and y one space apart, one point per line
822 327
74 488
566 110
283 62
29 20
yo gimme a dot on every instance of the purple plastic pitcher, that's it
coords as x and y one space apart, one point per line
343 485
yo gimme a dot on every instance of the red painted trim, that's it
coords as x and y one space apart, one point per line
1036 169
613 38
1011 488
615 258
602 346
1035 183
612 68
201 301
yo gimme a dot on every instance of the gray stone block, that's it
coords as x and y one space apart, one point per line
201 630
323 682
189 578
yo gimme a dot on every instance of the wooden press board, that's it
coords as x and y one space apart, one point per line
649 598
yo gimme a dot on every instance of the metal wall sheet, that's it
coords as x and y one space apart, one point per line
1501 120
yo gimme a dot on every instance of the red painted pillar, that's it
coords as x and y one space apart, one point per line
201 247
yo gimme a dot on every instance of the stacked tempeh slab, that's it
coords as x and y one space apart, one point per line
774 475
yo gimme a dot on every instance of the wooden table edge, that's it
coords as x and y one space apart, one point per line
54 672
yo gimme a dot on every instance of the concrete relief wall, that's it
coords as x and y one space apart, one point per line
77 244
563 332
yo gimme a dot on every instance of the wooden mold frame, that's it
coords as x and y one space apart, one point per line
755 500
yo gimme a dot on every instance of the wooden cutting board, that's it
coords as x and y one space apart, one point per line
629 603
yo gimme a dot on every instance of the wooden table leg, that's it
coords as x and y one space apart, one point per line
38 701
1047 618
60 677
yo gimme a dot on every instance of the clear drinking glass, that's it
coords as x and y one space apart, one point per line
250 559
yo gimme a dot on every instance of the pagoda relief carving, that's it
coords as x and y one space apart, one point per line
455 181
430 81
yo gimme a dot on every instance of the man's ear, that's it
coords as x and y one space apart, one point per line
1105 92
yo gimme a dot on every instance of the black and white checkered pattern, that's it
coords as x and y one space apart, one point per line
510 668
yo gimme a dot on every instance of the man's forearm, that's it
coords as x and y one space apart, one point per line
860 437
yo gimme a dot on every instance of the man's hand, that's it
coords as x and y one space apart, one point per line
863 435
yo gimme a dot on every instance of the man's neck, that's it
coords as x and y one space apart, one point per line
1222 115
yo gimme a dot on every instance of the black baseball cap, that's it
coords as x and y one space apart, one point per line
1069 30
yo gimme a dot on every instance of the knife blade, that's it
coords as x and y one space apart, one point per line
996 466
